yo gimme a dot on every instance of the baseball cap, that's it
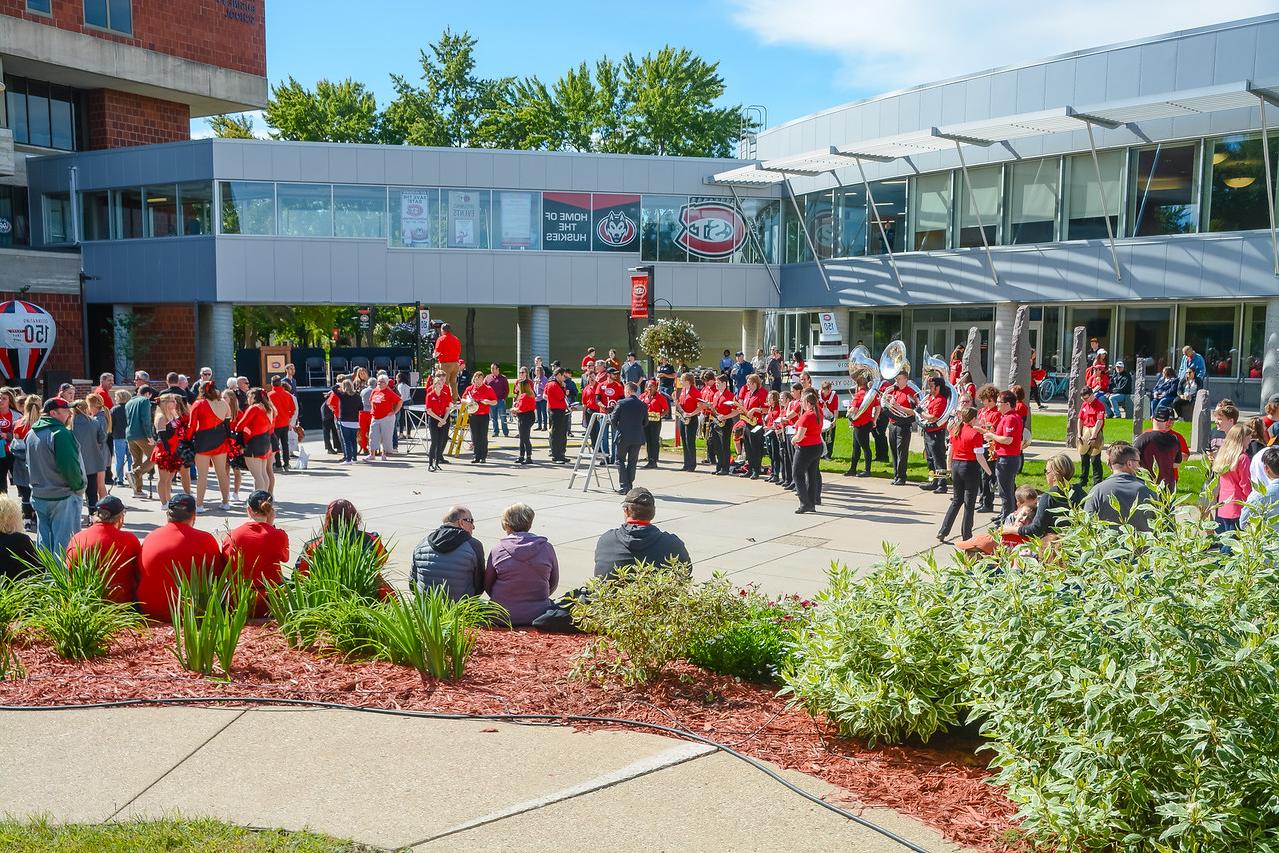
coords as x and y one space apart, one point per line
739 352
1163 413
639 496
181 501
55 403
109 507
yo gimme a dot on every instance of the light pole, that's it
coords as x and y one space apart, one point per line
650 271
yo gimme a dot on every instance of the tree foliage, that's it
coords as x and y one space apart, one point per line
345 111
232 126
671 340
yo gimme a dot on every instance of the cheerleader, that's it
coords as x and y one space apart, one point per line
658 407
828 408
234 449
210 436
863 425
256 426
172 454
689 402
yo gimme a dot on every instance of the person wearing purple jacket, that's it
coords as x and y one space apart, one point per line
522 570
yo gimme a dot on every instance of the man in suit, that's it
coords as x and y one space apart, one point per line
629 416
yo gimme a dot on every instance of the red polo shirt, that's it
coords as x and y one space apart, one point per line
812 426
1009 425
607 393
724 403
120 550
438 402
168 549
867 416
964 443
448 348
261 548
1091 412
555 399
933 407
905 397
284 404
525 403
482 394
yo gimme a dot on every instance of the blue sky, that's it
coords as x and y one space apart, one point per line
793 56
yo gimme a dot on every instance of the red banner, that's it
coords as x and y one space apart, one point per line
639 296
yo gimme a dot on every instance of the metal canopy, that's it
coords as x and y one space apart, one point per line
752 176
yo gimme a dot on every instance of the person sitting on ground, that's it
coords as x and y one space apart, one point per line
638 539
1026 500
119 551
522 569
172 549
17 553
450 556
1266 503
1125 486
1050 508
340 515
260 547
1162 449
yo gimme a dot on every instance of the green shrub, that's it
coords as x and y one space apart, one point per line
431 632
70 609
209 611
757 641
646 617
15 604
882 657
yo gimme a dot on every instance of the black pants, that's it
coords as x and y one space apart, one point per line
439 439
332 438
280 440
91 493
524 423
935 450
987 492
688 439
784 458
808 475
967 480
1089 463
721 438
480 436
828 438
881 437
899 442
28 511
627 459
652 442
861 446
559 433
1034 394
6 471
754 447
1006 468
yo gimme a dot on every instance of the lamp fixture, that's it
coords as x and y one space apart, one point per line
1219 157
1240 182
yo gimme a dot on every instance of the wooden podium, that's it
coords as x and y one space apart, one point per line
273 361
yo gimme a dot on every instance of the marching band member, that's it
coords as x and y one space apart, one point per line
796 366
690 399
772 435
862 426
525 409
808 455
829 411
967 462
439 398
557 409
935 434
479 397
708 392
1006 436
724 408
900 401
987 417
790 417
658 406
753 400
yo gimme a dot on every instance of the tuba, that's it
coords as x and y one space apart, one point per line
894 361
937 366
860 362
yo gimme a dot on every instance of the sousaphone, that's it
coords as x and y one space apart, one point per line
861 364
893 361
934 365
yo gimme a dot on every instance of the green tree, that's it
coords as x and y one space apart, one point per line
232 126
345 111
671 106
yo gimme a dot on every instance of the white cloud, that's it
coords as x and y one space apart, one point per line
885 46
200 126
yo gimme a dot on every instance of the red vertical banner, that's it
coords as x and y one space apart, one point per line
639 296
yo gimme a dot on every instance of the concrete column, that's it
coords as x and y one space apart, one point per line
215 339
1270 359
523 328
845 330
1002 345
122 340
752 332
540 333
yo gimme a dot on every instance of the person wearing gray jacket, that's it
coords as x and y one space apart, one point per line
91 437
450 556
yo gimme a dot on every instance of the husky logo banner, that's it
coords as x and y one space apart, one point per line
711 229
615 218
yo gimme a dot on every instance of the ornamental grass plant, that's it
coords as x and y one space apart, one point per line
431 632
15 603
209 610
69 607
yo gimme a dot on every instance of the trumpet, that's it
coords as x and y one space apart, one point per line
861 364
894 361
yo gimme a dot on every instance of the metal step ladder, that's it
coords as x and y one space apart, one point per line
592 453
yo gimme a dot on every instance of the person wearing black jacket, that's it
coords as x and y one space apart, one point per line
638 539
1062 494
1120 396
774 370
628 420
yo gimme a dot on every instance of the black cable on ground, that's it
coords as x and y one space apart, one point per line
513 718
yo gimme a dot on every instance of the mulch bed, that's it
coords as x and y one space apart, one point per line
942 784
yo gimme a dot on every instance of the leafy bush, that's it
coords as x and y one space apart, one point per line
70 609
15 603
209 611
646 617
431 632
671 340
756 642
882 656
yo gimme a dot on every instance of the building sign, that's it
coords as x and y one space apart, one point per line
566 221
5 225
464 218
639 296
515 220
244 11
615 222
423 322
711 229
830 329
364 319
415 218
27 335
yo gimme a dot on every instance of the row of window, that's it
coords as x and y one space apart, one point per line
1170 188
42 114
114 15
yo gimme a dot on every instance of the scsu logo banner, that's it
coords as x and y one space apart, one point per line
615 222
27 335
711 229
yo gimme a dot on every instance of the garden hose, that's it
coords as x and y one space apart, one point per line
512 718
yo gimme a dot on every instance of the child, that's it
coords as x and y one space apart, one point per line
1026 497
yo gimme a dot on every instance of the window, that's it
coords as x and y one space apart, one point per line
1097 323
1034 189
61 126
15 103
763 220
466 214
1089 203
126 213
930 203
1236 196
887 228
517 220
816 213
1163 198
1210 329
850 215
57 219
14 229
115 15
1050 339
44 7
1145 333
982 208
95 213
1254 340
415 217
39 132
659 225
306 210
161 218
248 207
41 114
196 202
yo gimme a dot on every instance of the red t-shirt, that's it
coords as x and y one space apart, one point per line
1022 411
1009 425
933 407
1091 412
448 348
988 416
905 397
382 401
587 361
753 401
867 416
830 404
555 398
1097 378
172 547
812 426
482 394
121 551
964 443
262 548
724 403
607 393
525 403
688 400
284 404
438 402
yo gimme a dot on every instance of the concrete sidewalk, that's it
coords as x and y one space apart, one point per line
401 783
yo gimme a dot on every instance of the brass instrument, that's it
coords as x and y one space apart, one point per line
894 361
860 363
938 366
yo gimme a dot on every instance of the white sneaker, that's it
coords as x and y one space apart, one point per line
225 507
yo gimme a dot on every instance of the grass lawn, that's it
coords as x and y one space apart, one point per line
1046 428
138 836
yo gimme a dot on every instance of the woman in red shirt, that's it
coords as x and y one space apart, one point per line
384 407
479 397
863 425
987 417
171 454
967 463
525 411
808 454
258 548
658 406
773 435
830 415
211 436
557 413
341 516
8 418
687 405
930 412
439 398
256 426
1091 440
1006 437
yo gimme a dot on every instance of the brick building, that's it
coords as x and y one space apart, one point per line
87 75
